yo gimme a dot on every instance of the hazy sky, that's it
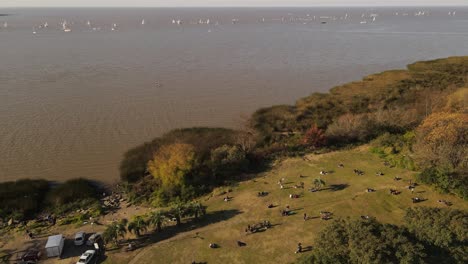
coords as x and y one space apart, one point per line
20 3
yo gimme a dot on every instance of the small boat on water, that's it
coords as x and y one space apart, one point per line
5 25
65 26
143 22
364 22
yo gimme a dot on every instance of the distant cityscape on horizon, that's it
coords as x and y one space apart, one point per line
229 3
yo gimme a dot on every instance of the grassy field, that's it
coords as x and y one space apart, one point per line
344 195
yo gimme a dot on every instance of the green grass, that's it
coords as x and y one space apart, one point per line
277 245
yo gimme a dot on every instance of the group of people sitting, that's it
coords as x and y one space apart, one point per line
370 190
294 196
262 194
358 172
324 215
286 212
447 203
258 227
301 186
394 192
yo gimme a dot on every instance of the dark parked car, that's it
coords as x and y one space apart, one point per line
31 256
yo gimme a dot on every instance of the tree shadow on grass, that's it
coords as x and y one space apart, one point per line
170 231
337 187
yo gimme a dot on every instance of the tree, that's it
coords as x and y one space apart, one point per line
319 183
157 219
171 164
314 137
364 241
444 230
197 209
350 128
114 231
441 141
178 211
137 225
227 160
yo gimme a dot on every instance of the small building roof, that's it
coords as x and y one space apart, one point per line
54 241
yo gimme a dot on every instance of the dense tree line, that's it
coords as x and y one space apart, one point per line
23 199
185 163
430 235
417 119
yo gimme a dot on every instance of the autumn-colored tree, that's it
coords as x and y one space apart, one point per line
314 137
458 101
172 163
442 141
349 128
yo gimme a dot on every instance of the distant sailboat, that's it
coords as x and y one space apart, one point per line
143 22
5 25
65 26
88 23
364 22
114 27
173 21
373 19
46 25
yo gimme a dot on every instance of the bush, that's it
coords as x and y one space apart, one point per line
443 230
364 241
22 199
72 195
395 149
446 181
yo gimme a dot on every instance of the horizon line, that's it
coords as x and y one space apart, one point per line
238 6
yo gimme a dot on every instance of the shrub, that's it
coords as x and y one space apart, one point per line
364 241
22 199
443 230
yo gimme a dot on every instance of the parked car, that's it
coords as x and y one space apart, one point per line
94 238
86 257
31 256
79 238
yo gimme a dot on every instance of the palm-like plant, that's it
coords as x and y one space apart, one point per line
114 231
157 219
178 211
319 183
196 209
137 225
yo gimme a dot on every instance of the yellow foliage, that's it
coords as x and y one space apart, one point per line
441 140
458 101
171 163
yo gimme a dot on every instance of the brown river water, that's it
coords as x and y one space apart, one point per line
71 103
